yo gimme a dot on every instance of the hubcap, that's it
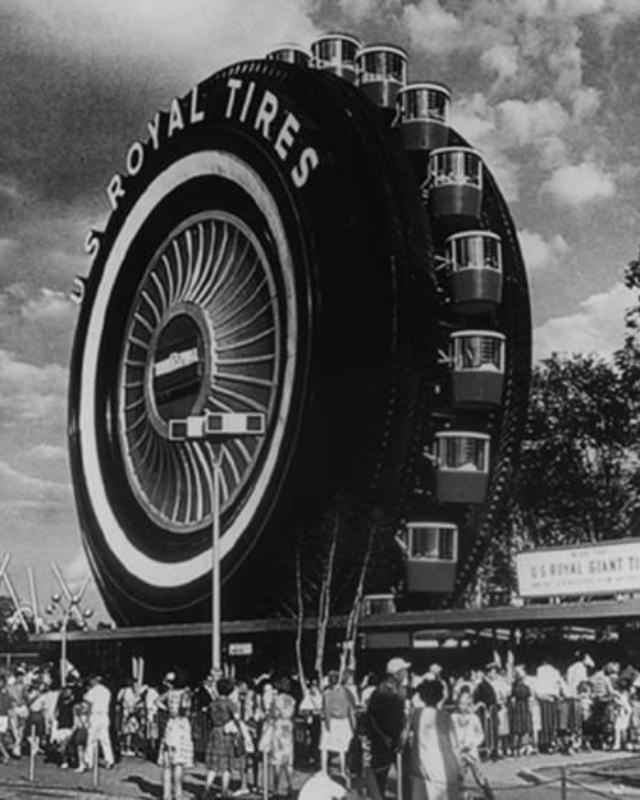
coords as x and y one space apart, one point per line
203 334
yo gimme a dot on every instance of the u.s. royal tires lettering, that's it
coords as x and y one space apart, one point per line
260 257
246 103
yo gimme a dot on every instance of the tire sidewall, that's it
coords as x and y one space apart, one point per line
330 332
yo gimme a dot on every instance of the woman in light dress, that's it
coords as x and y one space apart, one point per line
176 747
282 711
338 718
469 736
435 771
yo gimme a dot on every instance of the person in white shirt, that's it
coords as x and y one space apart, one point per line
577 673
549 682
99 699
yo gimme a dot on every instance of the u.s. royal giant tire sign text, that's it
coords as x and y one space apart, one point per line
607 568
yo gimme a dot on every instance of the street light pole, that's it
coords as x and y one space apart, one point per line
63 647
210 426
216 593
68 603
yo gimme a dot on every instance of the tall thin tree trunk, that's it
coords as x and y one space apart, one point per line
351 632
299 620
324 599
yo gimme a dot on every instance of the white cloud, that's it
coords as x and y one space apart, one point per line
190 37
29 392
597 327
475 119
49 305
524 123
540 254
46 452
361 10
432 29
14 483
575 185
501 59
552 152
76 569
10 190
585 101
572 9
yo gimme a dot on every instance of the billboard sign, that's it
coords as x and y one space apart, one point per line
604 568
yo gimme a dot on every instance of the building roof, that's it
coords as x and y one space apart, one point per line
533 615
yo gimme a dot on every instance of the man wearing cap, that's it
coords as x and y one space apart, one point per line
386 724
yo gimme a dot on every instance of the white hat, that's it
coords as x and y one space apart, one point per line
396 664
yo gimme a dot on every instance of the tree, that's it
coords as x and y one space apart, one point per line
578 476
577 460
335 580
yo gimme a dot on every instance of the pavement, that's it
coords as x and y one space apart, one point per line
589 776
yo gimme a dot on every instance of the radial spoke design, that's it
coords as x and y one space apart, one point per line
179 268
239 288
248 322
204 295
200 478
143 321
152 306
237 345
168 273
247 360
238 310
164 301
212 281
208 250
230 376
241 398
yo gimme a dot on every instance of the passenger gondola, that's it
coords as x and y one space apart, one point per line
455 186
432 556
462 466
337 53
475 258
290 54
477 367
382 72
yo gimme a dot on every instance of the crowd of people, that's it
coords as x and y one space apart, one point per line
442 726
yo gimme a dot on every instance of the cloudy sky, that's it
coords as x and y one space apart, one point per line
547 89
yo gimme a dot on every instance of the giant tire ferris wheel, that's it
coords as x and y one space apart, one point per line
274 247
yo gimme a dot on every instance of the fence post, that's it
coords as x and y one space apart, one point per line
32 753
95 755
265 775
563 783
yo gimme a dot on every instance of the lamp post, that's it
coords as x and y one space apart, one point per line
71 606
216 426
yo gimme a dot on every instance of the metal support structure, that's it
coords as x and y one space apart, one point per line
16 602
37 620
70 607
63 648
